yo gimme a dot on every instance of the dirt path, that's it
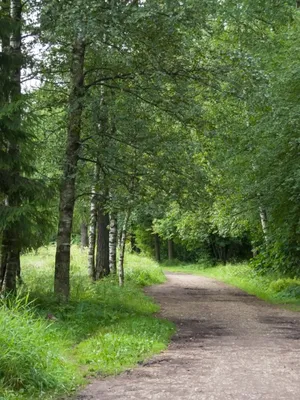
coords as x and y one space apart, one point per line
229 345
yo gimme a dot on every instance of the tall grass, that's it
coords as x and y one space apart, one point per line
32 359
47 349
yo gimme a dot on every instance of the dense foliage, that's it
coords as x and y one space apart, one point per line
180 120
169 127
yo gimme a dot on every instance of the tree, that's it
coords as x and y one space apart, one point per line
67 191
11 246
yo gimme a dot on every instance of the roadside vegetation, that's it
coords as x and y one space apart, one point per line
271 287
51 349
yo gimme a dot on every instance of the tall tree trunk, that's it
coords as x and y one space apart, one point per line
84 238
5 98
93 226
12 245
122 248
67 190
264 221
157 247
20 280
102 262
170 249
113 234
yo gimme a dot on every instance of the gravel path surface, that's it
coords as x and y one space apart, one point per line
229 345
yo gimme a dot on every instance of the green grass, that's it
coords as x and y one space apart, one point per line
104 329
272 288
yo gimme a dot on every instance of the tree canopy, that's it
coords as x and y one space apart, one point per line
176 119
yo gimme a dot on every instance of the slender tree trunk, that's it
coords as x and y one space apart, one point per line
170 249
93 226
264 221
157 247
224 254
102 262
122 248
3 262
19 277
119 239
219 251
84 235
113 234
67 190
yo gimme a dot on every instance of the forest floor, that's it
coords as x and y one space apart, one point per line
229 345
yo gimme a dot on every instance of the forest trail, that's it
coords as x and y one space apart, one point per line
229 345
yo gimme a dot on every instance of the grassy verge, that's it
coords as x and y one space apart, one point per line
272 288
48 350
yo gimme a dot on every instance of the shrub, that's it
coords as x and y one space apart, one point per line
276 258
286 287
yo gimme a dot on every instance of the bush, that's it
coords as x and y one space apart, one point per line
276 258
286 287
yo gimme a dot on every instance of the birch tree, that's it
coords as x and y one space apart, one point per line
67 191
113 234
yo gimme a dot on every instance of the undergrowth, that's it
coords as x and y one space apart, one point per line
49 349
270 287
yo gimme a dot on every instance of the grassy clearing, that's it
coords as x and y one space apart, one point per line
104 329
271 288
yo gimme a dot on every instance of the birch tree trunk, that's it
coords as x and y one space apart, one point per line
264 221
93 226
122 248
113 234
102 262
67 190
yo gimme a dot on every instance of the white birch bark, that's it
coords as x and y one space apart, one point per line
113 233
264 221
102 259
122 248
93 227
